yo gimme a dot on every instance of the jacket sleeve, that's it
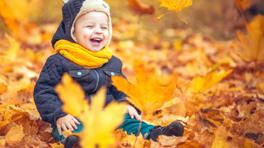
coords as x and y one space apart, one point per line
45 97
118 95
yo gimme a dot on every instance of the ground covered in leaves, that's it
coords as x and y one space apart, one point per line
218 86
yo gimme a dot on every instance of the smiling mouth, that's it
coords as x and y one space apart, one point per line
96 41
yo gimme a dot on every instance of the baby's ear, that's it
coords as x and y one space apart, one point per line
65 1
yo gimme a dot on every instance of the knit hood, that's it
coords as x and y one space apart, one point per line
72 10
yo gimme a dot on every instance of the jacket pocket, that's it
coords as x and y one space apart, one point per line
109 74
80 75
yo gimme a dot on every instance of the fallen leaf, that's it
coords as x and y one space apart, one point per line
15 135
171 140
260 88
57 145
253 43
148 94
198 85
220 137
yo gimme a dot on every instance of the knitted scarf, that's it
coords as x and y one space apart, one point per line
82 56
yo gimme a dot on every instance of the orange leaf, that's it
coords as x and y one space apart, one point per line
148 94
242 4
171 140
260 88
139 8
15 135
253 43
57 145
220 137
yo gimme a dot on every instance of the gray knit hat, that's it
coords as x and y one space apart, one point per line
73 9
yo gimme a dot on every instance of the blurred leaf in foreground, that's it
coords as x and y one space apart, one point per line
253 43
99 122
148 94
72 96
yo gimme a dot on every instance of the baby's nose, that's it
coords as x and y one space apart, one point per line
98 31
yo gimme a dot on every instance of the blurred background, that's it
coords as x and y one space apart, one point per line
218 18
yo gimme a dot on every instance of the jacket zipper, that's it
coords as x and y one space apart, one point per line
97 80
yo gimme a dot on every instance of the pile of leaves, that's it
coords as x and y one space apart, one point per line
216 89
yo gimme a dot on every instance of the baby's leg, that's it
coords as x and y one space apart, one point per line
131 126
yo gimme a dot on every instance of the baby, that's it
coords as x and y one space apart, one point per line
81 46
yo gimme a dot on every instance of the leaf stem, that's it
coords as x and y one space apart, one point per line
137 133
164 14
182 19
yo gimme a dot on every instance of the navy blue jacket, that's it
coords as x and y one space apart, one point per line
91 80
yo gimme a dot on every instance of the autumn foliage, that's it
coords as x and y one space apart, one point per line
215 88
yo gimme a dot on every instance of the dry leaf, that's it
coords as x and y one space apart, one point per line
172 140
15 135
148 94
57 145
139 8
253 43
260 88
198 85
242 4
220 137
175 5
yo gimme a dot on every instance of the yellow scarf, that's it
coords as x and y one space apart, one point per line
82 56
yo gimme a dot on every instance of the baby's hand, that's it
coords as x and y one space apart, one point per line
132 112
65 122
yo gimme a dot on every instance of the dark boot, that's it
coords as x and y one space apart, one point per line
174 129
72 142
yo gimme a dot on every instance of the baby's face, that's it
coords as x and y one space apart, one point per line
91 30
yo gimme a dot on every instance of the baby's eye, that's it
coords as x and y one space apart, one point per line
104 27
90 26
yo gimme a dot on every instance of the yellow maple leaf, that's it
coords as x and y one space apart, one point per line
71 95
99 122
148 94
198 85
175 5
253 43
